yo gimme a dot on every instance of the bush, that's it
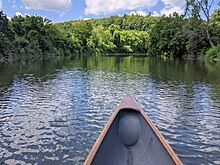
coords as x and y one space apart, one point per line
213 53
5 45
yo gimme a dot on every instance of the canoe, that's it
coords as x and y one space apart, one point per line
131 138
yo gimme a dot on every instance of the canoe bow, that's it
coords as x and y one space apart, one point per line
128 102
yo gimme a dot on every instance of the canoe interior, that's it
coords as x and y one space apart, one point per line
130 140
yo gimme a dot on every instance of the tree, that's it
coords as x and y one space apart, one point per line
4 45
215 27
6 36
81 29
196 38
4 26
101 40
134 41
197 9
167 37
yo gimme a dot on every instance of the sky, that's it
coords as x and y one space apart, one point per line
64 10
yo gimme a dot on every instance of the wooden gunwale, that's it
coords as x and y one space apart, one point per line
129 103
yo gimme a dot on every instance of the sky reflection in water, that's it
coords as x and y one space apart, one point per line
54 113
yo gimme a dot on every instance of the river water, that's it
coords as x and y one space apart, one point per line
53 113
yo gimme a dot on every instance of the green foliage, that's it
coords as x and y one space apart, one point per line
79 31
115 40
4 45
5 27
196 38
30 37
127 22
20 45
167 37
34 37
134 41
215 26
213 53
126 34
215 19
101 41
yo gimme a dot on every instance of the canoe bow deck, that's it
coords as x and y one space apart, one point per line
131 138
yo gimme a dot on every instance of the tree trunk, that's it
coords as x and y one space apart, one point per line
208 36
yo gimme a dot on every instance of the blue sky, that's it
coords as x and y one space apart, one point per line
63 10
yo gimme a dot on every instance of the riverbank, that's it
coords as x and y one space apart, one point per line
34 37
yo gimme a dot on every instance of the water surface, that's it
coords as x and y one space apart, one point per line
53 113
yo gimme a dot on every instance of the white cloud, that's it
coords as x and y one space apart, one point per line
155 14
138 12
171 10
172 6
52 5
98 7
18 14
86 19
174 2
1 5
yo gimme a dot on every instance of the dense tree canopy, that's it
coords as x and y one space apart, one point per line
33 37
168 37
30 37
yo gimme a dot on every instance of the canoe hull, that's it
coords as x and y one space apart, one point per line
129 138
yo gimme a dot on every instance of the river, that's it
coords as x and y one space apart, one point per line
52 113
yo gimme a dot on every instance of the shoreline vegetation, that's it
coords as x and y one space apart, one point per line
24 38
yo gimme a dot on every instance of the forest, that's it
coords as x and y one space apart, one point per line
196 33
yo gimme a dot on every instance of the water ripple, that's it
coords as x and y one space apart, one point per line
56 120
